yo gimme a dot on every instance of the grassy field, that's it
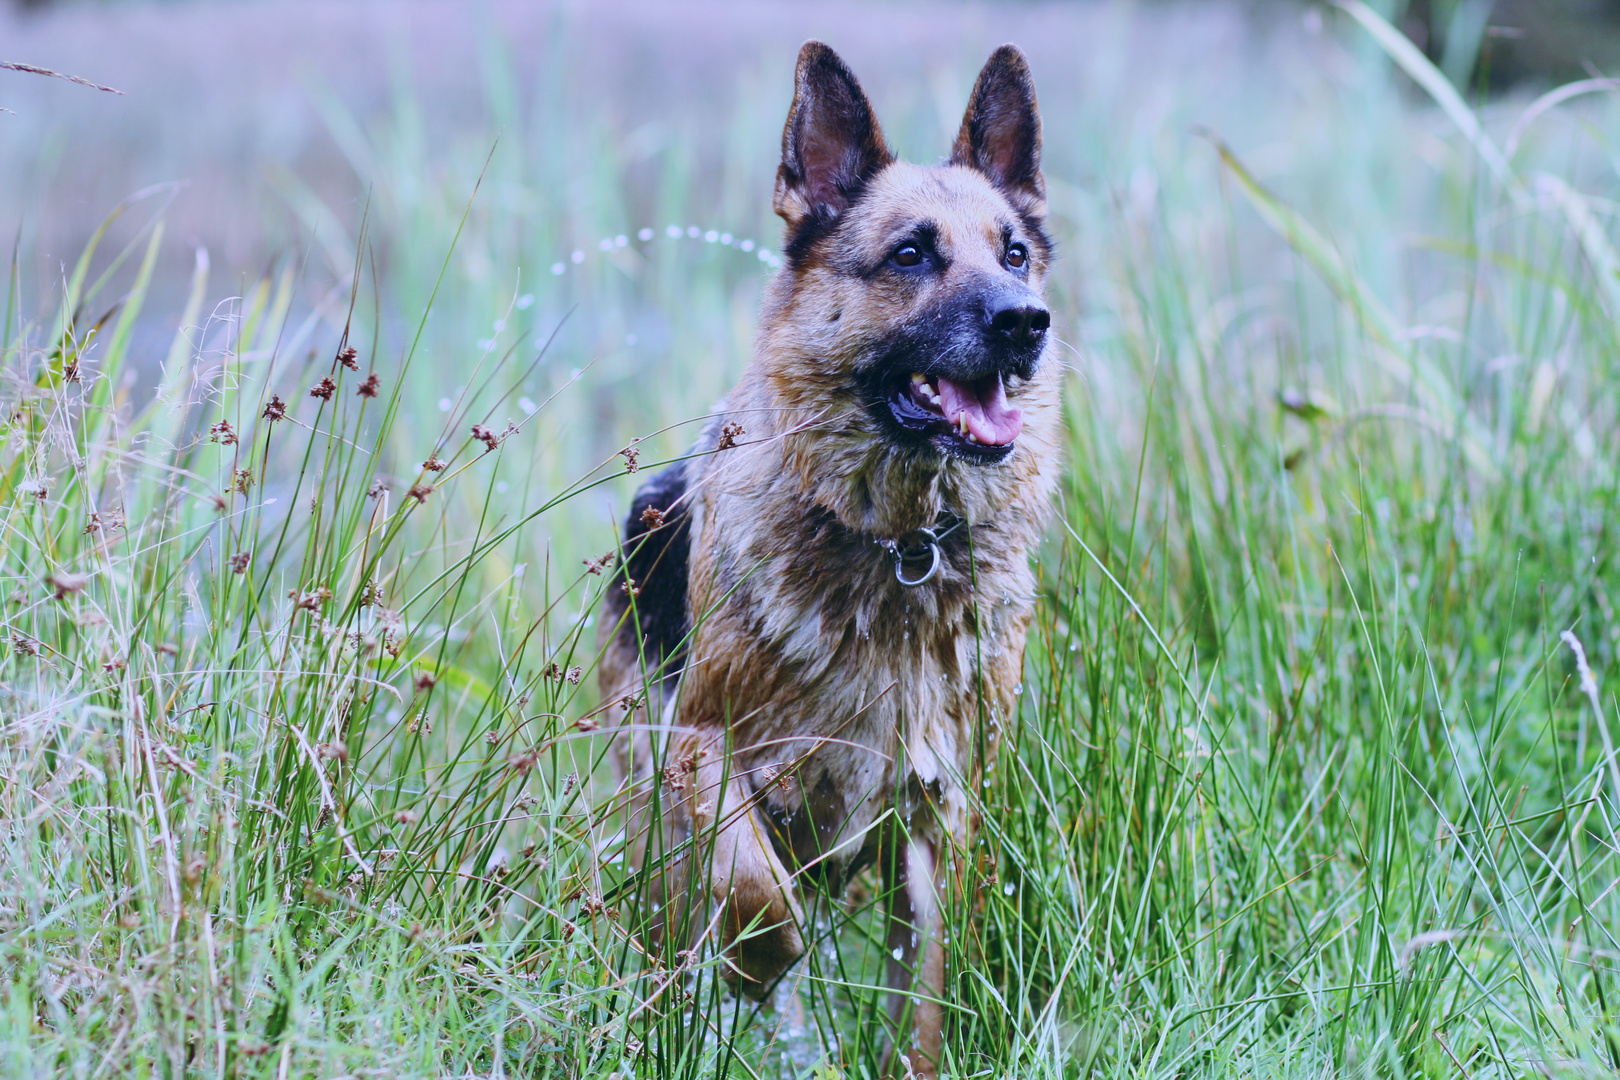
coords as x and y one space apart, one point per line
302 771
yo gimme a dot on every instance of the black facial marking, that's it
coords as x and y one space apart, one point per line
994 329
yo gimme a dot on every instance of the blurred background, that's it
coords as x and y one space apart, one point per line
628 149
1317 296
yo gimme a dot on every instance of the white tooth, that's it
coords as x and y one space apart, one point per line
961 422
919 379
972 438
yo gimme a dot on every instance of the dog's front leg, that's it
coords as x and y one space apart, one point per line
916 959
760 926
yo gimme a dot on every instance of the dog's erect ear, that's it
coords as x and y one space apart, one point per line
831 144
1001 132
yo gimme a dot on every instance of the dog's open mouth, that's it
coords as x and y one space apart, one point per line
969 419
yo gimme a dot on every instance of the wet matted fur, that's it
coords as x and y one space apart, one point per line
803 712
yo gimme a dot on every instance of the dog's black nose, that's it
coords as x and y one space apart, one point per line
1020 322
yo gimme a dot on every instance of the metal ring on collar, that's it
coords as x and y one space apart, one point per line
901 554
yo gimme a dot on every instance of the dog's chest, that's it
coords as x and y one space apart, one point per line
859 694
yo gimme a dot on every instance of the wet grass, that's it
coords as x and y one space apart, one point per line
301 766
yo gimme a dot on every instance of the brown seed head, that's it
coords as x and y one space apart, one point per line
652 517
323 389
630 454
729 436
93 525
433 464
242 480
276 410
222 433
347 358
490 440
239 562
332 751
62 584
420 492
425 681
369 387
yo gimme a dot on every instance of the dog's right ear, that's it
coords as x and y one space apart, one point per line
831 144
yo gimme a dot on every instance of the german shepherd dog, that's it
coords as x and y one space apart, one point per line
821 625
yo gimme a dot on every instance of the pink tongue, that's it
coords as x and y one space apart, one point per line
991 420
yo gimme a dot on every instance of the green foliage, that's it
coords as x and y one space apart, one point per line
302 773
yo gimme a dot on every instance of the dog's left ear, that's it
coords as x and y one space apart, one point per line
1001 132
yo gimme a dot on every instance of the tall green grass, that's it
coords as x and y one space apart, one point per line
302 773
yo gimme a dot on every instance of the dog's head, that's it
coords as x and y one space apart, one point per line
909 313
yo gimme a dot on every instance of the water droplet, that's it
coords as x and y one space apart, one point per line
644 235
526 301
897 954
621 240
673 232
1007 888
558 268
578 257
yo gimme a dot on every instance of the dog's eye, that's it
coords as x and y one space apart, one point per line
908 255
1017 255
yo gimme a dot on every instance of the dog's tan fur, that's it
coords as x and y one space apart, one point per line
817 692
